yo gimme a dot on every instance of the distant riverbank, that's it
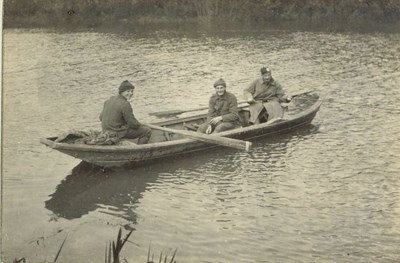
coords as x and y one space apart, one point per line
317 14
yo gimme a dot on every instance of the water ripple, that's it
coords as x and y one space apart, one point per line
324 193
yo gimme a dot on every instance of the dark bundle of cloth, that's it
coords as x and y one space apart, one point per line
90 137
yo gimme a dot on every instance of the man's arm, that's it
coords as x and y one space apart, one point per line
233 110
280 93
130 119
101 114
249 91
211 109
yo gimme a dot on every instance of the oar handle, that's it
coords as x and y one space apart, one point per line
209 138
178 112
302 93
206 107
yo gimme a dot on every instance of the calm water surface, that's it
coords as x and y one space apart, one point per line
325 193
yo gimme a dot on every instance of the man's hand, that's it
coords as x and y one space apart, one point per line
215 120
250 100
209 129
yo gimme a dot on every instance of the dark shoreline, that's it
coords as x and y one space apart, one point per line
315 15
196 25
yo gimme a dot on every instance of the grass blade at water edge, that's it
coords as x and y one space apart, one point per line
173 256
59 251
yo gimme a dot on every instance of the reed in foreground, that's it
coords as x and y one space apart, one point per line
113 250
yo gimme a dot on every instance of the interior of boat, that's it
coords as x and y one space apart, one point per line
191 123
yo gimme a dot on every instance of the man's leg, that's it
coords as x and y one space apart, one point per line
203 127
255 110
263 117
224 126
143 133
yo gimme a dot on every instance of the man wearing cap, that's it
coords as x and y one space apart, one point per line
117 116
264 96
223 112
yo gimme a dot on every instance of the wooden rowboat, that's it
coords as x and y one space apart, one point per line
163 144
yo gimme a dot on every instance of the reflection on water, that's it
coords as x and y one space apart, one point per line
89 188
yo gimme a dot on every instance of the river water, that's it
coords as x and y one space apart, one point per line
326 193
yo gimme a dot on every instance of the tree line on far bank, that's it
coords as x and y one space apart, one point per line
31 13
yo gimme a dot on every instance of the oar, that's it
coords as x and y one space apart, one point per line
302 93
210 138
170 113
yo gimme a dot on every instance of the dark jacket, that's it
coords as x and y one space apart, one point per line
117 116
225 106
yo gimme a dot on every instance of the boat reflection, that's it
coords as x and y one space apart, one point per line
118 192
89 187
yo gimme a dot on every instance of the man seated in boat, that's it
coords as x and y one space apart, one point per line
117 116
223 112
264 96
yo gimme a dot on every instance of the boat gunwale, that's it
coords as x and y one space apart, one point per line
182 141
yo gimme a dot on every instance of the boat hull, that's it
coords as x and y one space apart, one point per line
135 155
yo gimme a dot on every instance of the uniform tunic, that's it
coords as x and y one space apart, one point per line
117 116
225 106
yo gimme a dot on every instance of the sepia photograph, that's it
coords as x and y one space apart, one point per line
200 131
